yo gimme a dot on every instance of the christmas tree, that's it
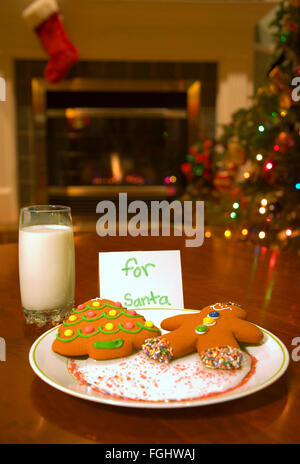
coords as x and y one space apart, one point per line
256 159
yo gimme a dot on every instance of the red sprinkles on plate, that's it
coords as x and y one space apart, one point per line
140 378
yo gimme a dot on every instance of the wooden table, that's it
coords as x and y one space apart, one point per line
265 282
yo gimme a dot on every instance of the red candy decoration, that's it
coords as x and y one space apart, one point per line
132 312
89 329
129 325
91 314
117 303
81 306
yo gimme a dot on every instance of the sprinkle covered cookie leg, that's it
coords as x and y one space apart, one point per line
158 349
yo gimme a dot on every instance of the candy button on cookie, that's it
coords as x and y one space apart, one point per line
95 304
109 326
201 329
209 321
68 332
129 325
90 313
112 312
89 329
72 318
149 324
214 314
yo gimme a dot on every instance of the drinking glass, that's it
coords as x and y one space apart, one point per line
46 263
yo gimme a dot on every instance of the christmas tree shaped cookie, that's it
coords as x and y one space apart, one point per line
102 329
215 332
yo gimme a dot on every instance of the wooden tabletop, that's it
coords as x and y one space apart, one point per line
265 282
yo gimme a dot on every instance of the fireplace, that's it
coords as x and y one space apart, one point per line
110 127
101 137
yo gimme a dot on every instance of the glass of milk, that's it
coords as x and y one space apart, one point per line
46 263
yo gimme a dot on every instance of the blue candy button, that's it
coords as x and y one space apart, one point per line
214 314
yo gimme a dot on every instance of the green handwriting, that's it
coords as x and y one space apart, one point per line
138 271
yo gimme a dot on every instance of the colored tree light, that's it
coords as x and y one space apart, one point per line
262 210
262 234
297 186
233 215
245 232
227 233
269 165
236 205
276 147
288 232
259 156
261 128
264 202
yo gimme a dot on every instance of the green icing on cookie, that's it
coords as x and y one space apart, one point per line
97 308
108 332
109 344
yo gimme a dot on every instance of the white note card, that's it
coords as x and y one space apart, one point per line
142 279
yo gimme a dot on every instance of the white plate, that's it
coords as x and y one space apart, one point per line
272 361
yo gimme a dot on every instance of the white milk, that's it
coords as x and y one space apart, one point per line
46 267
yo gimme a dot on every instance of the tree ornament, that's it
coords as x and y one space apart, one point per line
197 168
279 87
204 159
186 168
207 144
292 26
207 175
223 181
285 100
284 141
236 153
277 77
193 151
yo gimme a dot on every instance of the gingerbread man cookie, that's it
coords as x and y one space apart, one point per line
103 330
215 332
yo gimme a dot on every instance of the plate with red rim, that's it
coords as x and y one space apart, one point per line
271 355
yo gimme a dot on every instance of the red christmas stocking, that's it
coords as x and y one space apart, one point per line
43 17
